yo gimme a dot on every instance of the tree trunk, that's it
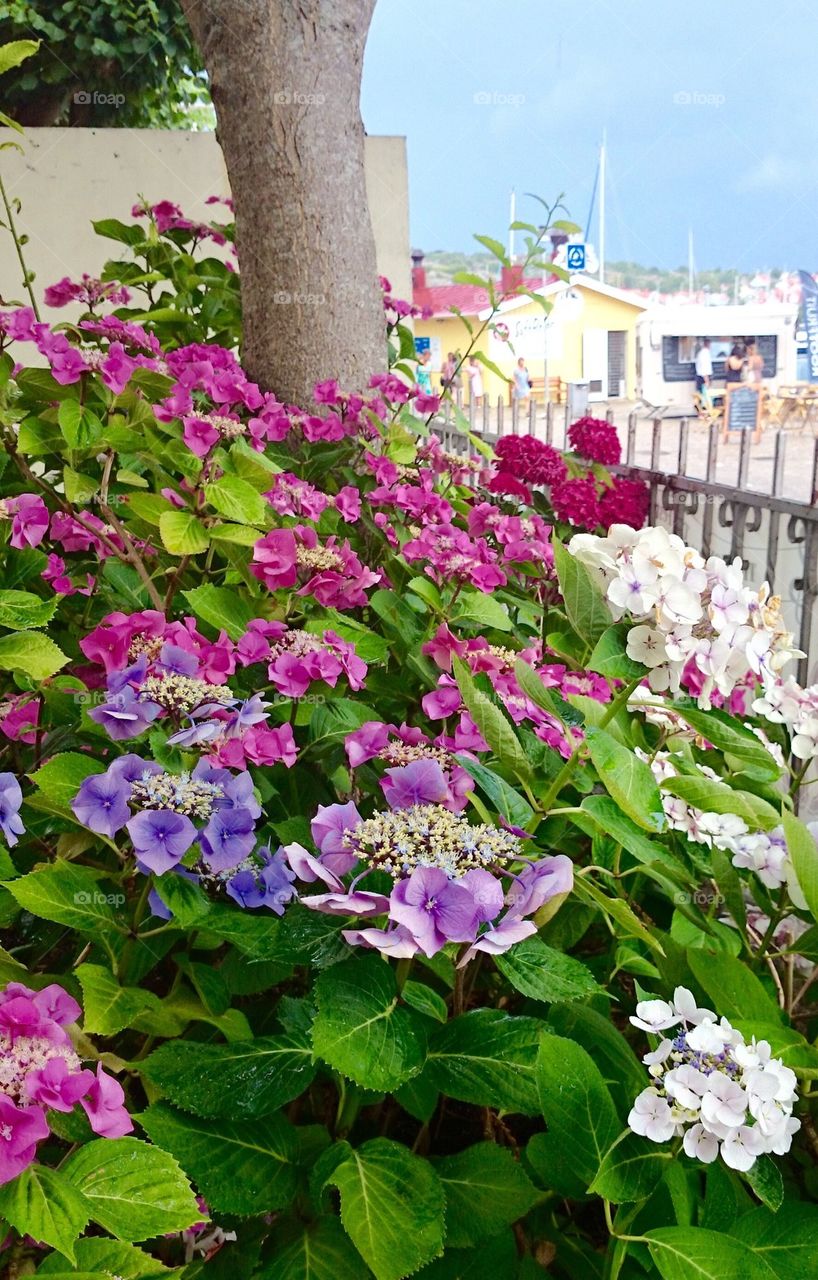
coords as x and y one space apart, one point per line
285 77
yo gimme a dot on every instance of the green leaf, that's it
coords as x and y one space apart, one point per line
318 1250
61 776
542 973
360 1030
627 779
108 1257
494 247
476 606
716 797
13 52
426 1001
133 1190
42 1203
392 1207
67 894
735 990
609 819
243 1080
107 1006
239 1166
222 608
491 722
617 908
765 1179
150 507
584 603
113 229
730 736
610 658
577 1106
685 1253
242 535
630 1170
79 425
505 799
487 1058
32 653
22 609
79 489
237 500
182 533
803 850
486 1190
784 1240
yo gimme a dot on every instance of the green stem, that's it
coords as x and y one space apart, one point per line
19 248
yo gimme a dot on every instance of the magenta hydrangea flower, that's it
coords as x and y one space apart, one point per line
596 440
41 1072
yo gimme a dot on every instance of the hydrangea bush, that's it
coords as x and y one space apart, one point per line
401 873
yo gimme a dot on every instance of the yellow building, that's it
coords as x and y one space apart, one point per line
589 335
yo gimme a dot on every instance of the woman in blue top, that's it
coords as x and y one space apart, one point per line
521 384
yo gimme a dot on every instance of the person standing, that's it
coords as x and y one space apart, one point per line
521 385
734 365
475 375
704 366
423 373
755 364
447 373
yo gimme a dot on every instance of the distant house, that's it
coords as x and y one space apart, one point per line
588 333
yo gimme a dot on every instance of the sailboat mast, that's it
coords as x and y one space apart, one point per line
602 207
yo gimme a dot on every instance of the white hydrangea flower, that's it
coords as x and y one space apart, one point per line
651 1117
726 1097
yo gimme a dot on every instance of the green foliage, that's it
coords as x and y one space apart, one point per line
103 64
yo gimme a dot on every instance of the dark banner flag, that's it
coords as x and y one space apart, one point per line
809 305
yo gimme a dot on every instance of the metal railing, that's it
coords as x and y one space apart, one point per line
775 537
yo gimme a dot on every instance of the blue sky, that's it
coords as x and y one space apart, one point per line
711 111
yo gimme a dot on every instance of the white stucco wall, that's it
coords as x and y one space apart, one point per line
66 178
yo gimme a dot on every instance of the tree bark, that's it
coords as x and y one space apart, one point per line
285 76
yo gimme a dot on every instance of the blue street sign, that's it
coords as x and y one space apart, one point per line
575 257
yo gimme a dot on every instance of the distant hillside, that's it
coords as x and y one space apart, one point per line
442 264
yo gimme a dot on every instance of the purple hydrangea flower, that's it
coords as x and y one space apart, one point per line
538 883
161 838
125 716
270 885
434 909
228 838
330 823
132 768
101 804
11 797
421 782
178 661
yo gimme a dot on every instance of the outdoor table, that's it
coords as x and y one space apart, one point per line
799 405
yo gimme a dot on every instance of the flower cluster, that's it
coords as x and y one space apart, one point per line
330 571
291 496
596 440
692 615
579 496
452 882
530 460
295 658
89 291
40 1071
399 746
206 817
725 1096
785 702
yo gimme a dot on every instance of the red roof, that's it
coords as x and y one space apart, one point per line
468 298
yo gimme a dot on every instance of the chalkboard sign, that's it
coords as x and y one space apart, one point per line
743 409
676 370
